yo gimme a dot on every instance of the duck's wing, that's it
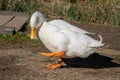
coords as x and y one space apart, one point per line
53 37
65 25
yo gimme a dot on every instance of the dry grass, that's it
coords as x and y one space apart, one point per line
89 11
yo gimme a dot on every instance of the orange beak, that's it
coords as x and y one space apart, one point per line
33 33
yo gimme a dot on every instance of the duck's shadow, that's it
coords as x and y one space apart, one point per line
93 61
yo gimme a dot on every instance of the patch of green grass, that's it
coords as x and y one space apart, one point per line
89 11
18 38
73 13
92 11
116 19
28 6
57 10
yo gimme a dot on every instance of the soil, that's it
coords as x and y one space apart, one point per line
24 63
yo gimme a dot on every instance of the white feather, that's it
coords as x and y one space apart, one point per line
59 35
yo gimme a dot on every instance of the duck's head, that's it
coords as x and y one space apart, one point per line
36 21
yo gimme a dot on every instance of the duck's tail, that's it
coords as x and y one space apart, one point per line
98 43
101 39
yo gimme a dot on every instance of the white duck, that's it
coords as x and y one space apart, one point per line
62 38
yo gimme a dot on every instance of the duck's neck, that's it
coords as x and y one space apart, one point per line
38 29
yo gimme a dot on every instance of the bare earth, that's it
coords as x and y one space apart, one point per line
23 63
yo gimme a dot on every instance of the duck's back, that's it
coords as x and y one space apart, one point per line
75 42
65 25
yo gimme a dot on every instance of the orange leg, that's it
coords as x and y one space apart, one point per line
54 54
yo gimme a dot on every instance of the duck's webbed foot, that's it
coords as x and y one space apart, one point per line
54 66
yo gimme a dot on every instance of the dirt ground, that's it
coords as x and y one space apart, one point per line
23 63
